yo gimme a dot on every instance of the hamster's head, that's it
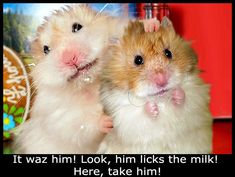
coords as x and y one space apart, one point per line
68 46
149 63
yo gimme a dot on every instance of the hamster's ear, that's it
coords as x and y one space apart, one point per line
167 24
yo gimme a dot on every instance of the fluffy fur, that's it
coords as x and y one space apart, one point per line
126 87
66 114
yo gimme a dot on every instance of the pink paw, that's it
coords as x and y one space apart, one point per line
178 96
151 25
151 109
106 124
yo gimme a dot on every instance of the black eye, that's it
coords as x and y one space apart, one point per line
46 49
139 60
168 53
76 27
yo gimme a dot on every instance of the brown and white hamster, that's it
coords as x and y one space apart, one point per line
146 68
67 116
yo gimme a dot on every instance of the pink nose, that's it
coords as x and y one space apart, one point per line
161 79
72 57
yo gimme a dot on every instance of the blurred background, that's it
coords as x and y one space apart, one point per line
207 26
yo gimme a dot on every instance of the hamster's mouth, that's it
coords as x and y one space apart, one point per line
83 69
160 93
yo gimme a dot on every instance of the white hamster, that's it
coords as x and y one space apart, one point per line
67 116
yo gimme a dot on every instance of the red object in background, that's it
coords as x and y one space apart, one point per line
222 137
159 10
209 27
140 10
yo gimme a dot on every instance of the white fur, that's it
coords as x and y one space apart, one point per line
185 129
57 117
65 115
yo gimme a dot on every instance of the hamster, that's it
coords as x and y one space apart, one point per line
67 115
157 68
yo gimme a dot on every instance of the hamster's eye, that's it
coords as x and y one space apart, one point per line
168 53
139 60
76 27
46 49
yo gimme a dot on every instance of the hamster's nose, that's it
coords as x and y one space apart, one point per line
161 79
72 57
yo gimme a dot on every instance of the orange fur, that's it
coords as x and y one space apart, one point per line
121 69
127 88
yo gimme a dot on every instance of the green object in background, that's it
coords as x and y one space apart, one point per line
12 116
7 149
6 134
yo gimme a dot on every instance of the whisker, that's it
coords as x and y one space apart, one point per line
32 86
101 10
34 91
31 65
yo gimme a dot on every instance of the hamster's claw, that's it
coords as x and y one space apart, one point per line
151 109
151 25
106 124
178 96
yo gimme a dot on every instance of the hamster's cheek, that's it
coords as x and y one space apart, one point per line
175 79
96 39
144 88
47 73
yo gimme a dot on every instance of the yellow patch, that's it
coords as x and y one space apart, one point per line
6 121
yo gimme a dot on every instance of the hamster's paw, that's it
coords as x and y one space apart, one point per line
151 25
106 124
151 109
178 96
